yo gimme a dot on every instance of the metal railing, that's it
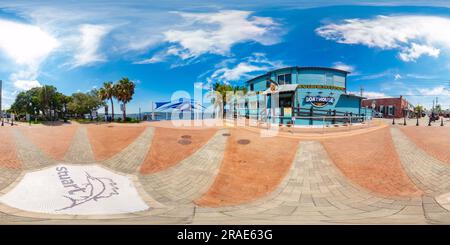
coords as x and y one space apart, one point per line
349 122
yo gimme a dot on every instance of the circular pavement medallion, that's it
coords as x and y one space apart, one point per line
75 190
243 141
184 142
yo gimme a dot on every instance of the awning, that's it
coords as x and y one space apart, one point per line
281 88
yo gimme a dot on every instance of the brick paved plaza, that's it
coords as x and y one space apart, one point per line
383 174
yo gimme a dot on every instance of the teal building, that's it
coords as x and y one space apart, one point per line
306 96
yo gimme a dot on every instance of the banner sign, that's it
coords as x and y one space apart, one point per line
319 101
321 87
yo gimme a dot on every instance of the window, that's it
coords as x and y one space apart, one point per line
284 79
252 86
391 110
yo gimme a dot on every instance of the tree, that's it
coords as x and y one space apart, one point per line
29 102
418 109
85 103
94 102
108 92
48 101
65 100
124 92
223 89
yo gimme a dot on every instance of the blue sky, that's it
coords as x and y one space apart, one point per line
392 48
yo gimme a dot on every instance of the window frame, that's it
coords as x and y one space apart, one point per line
284 78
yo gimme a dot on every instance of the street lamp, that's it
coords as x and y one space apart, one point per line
31 104
404 116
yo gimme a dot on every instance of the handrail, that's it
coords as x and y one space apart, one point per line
320 117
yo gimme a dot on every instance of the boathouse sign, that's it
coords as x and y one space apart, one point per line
319 101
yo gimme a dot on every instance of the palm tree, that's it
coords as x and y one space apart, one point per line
419 110
223 89
108 92
125 91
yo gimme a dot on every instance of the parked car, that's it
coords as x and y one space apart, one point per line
378 114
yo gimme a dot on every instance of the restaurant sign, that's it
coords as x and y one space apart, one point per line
319 101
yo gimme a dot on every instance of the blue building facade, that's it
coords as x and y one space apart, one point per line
305 95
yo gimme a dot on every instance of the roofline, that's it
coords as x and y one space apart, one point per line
299 68
354 95
383 98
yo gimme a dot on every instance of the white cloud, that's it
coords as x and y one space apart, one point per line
413 35
158 57
8 97
89 43
25 44
416 50
26 84
397 76
374 95
436 91
342 66
231 71
216 33
240 70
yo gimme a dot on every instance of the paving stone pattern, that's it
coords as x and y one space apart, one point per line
314 190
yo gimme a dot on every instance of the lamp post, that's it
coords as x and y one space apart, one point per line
404 116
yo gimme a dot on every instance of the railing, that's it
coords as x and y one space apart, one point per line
341 122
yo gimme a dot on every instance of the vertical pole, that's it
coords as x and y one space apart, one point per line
404 117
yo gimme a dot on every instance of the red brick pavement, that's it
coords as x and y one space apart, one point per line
8 154
433 140
52 140
108 140
169 147
371 161
250 171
